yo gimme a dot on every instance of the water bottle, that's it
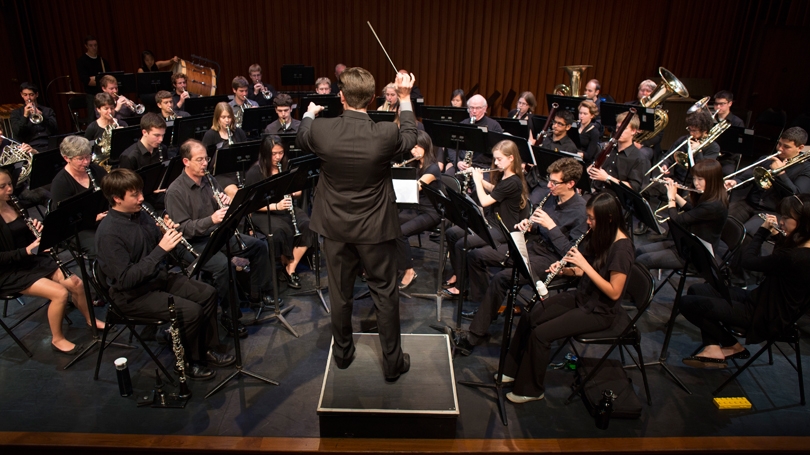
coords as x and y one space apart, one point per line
604 409
571 361
124 381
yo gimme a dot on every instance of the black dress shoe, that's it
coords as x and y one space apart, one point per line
292 279
469 315
402 287
406 366
342 364
463 344
214 359
197 372
76 348
641 229
228 324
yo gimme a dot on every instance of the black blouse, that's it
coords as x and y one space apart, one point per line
65 186
620 258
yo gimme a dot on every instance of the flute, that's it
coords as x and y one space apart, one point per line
773 226
542 287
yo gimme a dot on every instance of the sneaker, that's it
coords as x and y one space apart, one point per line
521 399
506 379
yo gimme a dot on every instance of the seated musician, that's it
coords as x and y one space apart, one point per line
180 94
240 99
604 262
723 100
550 233
477 108
80 174
558 140
132 252
593 92
624 163
167 112
391 101
22 123
36 274
285 123
589 131
651 148
526 104
793 180
339 69
291 247
698 125
259 89
704 215
149 65
190 202
457 98
105 108
505 194
424 217
323 86
221 134
123 106
147 150
768 310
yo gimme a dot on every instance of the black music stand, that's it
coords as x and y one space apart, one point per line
288 141
153 82
568 103
255 120
219 238
635 205
737 139
332 106
440 203
307 170
259 196
73 215
572 133
121 139
518 268
544 157
44 167
186 128
522 144
457 136
55 140
609 111
466 214
174 168
444 113
236 158
513 126
203 105
382 116
297 75
152 175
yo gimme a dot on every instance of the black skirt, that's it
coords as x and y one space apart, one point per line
23 274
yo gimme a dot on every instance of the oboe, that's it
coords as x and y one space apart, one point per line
291 209
92 179
220 204
773 226
179 352
165 228
542 287
15 204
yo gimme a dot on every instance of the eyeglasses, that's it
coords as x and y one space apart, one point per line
81 158
476 108
720 103
201 160
560 124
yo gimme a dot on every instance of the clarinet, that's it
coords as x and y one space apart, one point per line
179 352
160 151
92 179
468 156
15 204
165 228
539 206
291 209
230 136
542 287
218 199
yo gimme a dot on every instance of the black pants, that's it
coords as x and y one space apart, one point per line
343 265
479 261
195 303
284 238
455 243
412 222
530 351
705 308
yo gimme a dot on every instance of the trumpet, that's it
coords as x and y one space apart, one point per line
542 287
265 92
165 228
221 205
35 117
15 204
773 226
404 163
172 115
137 108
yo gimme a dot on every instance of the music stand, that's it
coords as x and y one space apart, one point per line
522 144
466 214
737 139
44 167
609 111
518 268
255 120
193 127
635 205
458 137
382 116
203 104
297 75
236 158
152 176
173 170
219 238
440 203
444 113
515 127
544 157
568 103
332 106
75 214
121 139
55 140
153 82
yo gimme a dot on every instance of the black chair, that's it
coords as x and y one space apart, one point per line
116 316
9 329
450 182
623 332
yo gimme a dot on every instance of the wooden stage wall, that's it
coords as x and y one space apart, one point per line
491 46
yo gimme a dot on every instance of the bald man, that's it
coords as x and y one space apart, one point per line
339 68
477 107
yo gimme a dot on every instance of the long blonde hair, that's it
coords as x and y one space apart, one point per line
222 106
509 148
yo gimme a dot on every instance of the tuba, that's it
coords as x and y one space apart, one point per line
575 73
670 85
15 154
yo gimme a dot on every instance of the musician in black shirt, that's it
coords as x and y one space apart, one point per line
148 63
89 65
109 85
22 119
323 86
147 150
624 164
558 140
477 107
285 123
180 95
526 104
164 102
651 148
261 93
589 131
722 107
105 108
698 124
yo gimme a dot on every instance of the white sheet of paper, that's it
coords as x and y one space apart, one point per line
407 191
520 241
707 245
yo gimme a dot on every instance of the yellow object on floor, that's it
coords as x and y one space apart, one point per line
732 403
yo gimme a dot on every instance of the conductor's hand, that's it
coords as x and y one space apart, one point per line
729 184
403 85
219 215
170 240
314 109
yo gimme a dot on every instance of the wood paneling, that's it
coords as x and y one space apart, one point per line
503 46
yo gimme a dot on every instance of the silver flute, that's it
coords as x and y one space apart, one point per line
179 351
291 209
15 204
165 228
542 287
92 178
773 226
220 204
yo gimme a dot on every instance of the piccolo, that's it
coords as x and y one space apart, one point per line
773 226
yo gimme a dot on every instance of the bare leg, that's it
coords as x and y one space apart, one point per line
298 253
712 351
58 296
408 277
76 287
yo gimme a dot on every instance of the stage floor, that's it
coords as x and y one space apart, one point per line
37 395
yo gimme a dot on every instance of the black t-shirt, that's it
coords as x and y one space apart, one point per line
212 137
620 258
433 169
507 194
65 186
589 140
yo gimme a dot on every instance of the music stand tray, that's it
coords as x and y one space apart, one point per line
634 203
153 82
44 167
737 139
121 139
544 157
203 104
236 158
255 120
444 113
522 144
331 104
609 111
382 116
515 127
193 127
568 103
297 75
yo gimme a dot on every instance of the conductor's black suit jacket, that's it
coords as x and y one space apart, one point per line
355 200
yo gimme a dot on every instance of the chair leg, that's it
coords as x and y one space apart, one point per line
14 337
5 309
152 355
643 372
743 368
621 355
664 282
799 366
101 349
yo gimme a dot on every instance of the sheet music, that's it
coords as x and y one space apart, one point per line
707 245
520 241
407 191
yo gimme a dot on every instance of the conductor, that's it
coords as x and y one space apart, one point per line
355 210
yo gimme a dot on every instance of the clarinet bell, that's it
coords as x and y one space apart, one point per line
542 290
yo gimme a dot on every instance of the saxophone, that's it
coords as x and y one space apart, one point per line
179 352
291 209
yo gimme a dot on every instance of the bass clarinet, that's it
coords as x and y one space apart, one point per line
179 352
